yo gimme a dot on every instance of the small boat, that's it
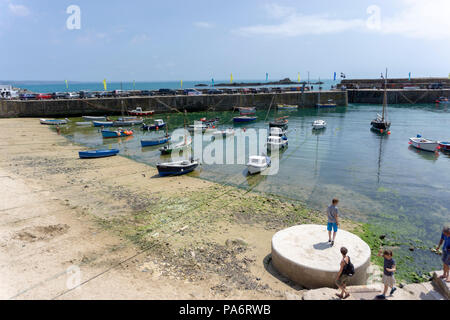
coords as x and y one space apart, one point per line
155 142
287 107
244 119
83 124
276 143
257 164
279 123
444 146
127 123
247 111
203 127
91 118
277 132
381 124
53 122
116 134
176 168
424 144
442 100
319 124
159 123
105 124
169 149
210 121
223 133
139 112
98 153
330 104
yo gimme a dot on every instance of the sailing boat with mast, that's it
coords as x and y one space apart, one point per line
381 124
179 147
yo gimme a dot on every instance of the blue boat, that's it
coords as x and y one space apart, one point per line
98 153
159 124
149 143
116 134
244 119
103 123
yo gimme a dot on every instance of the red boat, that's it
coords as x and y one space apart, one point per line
140 112
247 111
442 100
43 96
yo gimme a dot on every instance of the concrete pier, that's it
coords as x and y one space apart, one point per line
163 104
303 254
396 96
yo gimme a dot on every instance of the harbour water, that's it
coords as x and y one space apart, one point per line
379 179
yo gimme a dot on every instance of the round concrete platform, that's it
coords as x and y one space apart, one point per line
302 253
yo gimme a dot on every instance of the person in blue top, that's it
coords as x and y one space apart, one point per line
445 239
333 220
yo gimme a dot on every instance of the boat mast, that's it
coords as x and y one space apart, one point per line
385 96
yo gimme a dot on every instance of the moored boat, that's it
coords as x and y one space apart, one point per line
83 124
177 167
53 122
257 164
158 124
244 119
127 123
287 107
280 123
442 100
116 134
223 133
330 104
424 144
169 149
381 124
155 142
444 146
93 118
319 124
139 112
103 123
276 143
277 132
247 111
98 153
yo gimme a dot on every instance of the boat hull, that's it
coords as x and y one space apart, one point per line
423 144
153 127
444 146
127 123
282 125
326 105
150 143
98 153
105 124
90 118
167 169
141 113
114 134
243 119
52 122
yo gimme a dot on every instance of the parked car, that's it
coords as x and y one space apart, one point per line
27 96
167 92
277 90
215 91
58 95
72 95
192 92
253 90
146 93
265 90
120 93
104 94
87 94
43 96
436 86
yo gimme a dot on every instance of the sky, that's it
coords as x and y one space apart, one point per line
147 40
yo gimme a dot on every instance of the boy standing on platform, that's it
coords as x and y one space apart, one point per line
388 273
333 220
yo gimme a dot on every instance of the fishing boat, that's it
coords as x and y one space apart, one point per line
424 144
280 123
444 146
210 121
176 168
244 119
105 124
158 124
116 134
257 164
139 112
53 122
319 124
442 100
127 123
247 111
277 132
169 149
381 124
91 118
155 142
277 143
98 153
330 104
198 127
287 107
83 124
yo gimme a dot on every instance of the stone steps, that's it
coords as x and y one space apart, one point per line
441 285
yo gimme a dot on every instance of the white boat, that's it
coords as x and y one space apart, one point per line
53 122
287 107
424 144
257 164
319 124
276 143
84 124
223 133
277 132
90 118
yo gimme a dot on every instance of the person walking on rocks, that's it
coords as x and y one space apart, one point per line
333 220
388 273
445 239
345 272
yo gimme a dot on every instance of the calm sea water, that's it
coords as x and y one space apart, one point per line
44 87
378 178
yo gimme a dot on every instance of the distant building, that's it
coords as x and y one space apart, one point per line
7 91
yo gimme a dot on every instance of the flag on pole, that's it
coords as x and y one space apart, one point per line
334 76
231 78
212 81
449 75
298 77
104 84
67 84
409 76
267 76
181 83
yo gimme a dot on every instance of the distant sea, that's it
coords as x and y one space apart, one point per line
60 86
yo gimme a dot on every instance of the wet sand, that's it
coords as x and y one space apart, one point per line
111 229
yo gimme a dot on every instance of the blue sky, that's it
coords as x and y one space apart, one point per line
198 39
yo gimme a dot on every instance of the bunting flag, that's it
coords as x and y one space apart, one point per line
231 78
449 75
104 84
181 83
267 76
409 76
67 84
298 77
212 81
334 76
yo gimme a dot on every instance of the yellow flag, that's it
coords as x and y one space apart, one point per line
231 79
181 84
67 84
449 75
298 77
104 84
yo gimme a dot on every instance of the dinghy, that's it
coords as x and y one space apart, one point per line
287 107
127 123
105 124
247 111
53 122
169 149
244 119
223 133
158 124
444 146
83 124
257 164
176 168
155 142
91 118
98 153
116 134
279 123
319 124
424 144
139 112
